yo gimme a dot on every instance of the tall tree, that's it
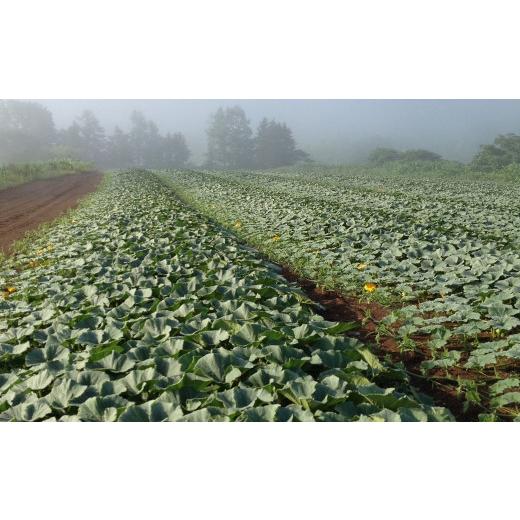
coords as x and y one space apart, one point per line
275 146
217 155
230 141
27 131
138 138
240 139
92 137
119 150
175 151
153 145
70 140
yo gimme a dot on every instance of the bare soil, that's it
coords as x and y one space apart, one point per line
24 207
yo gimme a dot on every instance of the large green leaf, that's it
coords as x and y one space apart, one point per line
101 408
152 411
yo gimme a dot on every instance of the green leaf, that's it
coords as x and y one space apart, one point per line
204 415
294 413
265 413
101 408
504 384
40 380
152 411
506 399
238 398
210 337
7 350
92 337
102 351
51 352
118 363
29 411
216 365
63 393
136 380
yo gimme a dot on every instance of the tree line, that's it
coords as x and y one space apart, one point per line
28 133
503 152
232 144
142 146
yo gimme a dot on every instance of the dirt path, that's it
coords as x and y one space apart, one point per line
25 207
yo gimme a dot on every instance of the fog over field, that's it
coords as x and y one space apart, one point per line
331 131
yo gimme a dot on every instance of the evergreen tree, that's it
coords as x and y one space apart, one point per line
152 146
92 138
265 145
69 139
230 142
119 150
217 140
240 139
175 151
275 146
138 138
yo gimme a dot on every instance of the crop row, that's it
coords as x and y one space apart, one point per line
444 256
137 308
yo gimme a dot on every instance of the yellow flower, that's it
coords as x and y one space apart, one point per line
361 266
276 237
238 224
370 287
8 291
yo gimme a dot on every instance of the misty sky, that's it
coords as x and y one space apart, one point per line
330 130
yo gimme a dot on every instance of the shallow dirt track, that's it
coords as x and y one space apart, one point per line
25 207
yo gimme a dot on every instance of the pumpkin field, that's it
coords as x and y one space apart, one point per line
280 295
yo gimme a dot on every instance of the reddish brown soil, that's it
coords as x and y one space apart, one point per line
25 207
337 307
